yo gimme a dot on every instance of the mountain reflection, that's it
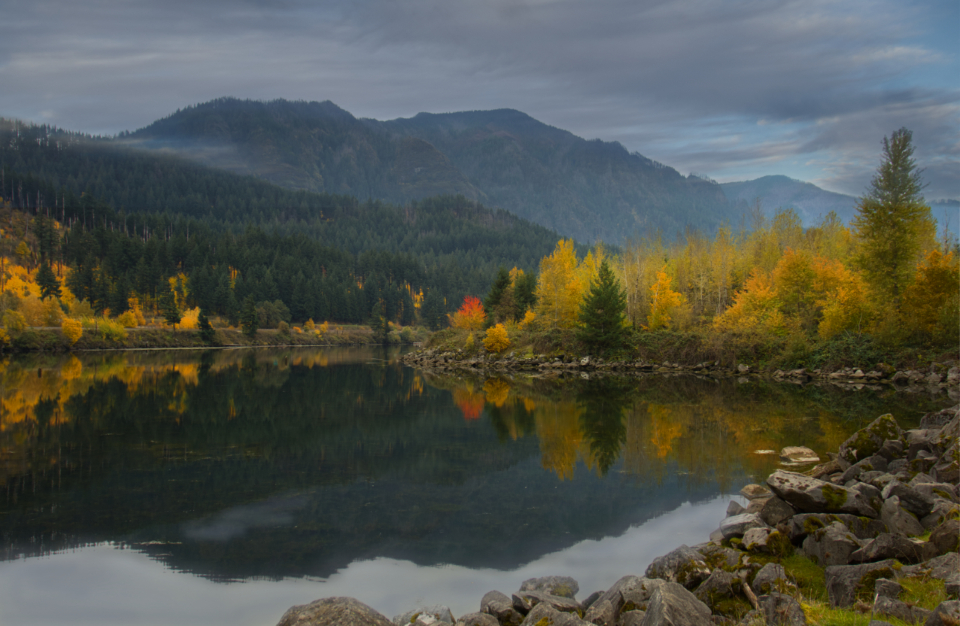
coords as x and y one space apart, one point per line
239 463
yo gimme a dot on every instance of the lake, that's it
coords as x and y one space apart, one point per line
224 486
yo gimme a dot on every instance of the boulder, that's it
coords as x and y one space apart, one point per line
477 619
501 607
734 508
898 519
934 490
719 556
891 449
799 455
562 586
802 525
875 463
683 565
952 585
673 605
946 614
719 586
867 441
535 598
886 588
946 537
942 567
894 546
871 493
437 611
606 609
772 579
816 496
338 611
775 510
942 511
546 614
755 491
832 545
845 583
632 618
737 525
782 610
912 500
891 607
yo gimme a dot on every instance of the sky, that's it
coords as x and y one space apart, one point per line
730 89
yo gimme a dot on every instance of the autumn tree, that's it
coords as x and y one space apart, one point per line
663 301
497 339
601 314
931 303
559 288
470 315
892 220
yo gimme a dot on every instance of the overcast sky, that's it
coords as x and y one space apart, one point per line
732 89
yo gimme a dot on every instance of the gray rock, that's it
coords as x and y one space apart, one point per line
846 582
501 607
772 579
946 537
737 525
898 519
683 565
891 449
816 496
593 597
942 511
719 586
934 490
631 618
782 610
546 614
952 586
719 556
867 441
832 545
894 546
881 481
756 505
938 419
775 510
562 586
477 619
755 539
802 525
437 611
339 611
673 605
755 491
891 607
887 588
871 493
799 455
942 567
607 607
912 500
946 614
872 463
734 508
535 598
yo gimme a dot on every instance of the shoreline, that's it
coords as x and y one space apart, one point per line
874 529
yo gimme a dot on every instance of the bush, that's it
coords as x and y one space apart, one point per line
407 335
14 321
72 329
128 319
497 339
283 328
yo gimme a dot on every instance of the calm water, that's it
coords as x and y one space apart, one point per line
223 487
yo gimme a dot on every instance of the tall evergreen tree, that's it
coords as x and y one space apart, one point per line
249 318
892 220
602 312
49 286
379 323
168 307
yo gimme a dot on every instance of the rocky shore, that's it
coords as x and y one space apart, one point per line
936 377
881 516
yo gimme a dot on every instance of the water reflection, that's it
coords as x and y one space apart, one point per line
241 464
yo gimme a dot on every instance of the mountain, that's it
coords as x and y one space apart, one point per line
588 190
810 202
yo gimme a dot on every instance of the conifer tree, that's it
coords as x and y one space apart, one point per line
602 312
892 220
168 307
47 280
207 334
249 318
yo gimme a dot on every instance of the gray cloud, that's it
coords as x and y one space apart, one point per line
730 88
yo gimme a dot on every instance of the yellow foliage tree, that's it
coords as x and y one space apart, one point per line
663 301
793 278
497 339
190 318
137 311
932 300
559 289
528 318
72 329
842 297
755 307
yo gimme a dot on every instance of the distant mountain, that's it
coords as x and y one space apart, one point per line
810 202
589 190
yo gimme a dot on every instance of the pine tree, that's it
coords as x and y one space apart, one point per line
249 318
379 323
168 307
892 220
602 312
49 286
207 334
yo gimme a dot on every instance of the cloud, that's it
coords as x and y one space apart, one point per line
673 80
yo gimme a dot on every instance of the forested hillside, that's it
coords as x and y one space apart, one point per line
128 222
588 190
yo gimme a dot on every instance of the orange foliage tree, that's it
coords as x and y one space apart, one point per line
470 316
